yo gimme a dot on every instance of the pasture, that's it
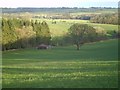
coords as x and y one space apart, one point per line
94 66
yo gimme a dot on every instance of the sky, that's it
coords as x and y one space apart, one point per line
58 3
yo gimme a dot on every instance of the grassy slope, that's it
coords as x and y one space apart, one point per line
95 65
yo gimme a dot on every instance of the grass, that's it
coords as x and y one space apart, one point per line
94 66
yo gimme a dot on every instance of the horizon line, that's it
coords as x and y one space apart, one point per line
64 7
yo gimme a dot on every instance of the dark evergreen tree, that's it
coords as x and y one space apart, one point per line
8 34
45 33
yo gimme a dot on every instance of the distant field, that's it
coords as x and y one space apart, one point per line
62 25
105 11
94 66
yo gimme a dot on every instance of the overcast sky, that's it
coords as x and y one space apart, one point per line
58 3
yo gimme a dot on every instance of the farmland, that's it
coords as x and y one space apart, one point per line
95 65
62 67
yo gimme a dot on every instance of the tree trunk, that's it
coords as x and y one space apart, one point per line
78 47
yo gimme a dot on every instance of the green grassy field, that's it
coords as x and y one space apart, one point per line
62 25
94 66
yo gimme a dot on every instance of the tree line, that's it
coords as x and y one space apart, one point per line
22 33
55 10
105 19
19 33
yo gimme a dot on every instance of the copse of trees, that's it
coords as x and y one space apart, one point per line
42 32
105 19
45 33
19 33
